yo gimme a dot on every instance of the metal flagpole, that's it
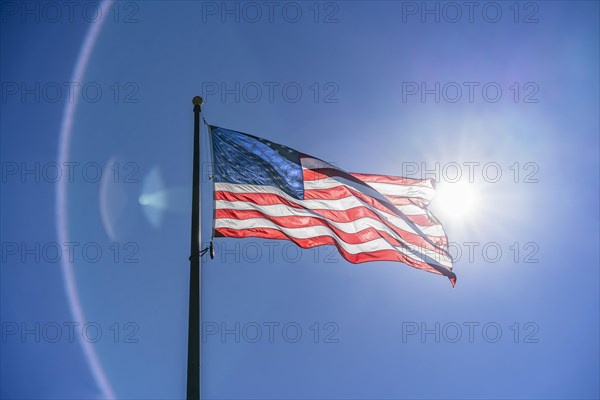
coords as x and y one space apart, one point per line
193 367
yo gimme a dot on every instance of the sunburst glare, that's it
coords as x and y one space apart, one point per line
458 201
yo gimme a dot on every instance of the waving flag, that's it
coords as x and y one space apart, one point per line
267 190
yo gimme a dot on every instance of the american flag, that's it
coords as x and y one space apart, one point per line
267 190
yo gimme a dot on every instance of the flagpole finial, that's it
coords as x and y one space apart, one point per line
197 100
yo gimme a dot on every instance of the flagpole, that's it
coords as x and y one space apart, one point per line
193 367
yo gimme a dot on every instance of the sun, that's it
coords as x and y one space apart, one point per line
457 201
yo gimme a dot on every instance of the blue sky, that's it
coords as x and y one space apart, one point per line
526 300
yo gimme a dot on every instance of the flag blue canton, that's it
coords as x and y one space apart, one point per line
246 159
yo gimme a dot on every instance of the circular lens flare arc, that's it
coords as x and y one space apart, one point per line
61 202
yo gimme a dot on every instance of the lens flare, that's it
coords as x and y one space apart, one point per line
61 203
155 198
